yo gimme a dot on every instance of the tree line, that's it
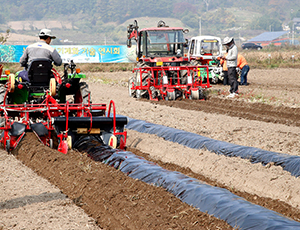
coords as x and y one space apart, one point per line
99 12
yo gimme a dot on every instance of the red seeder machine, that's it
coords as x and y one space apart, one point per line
57 109
163 70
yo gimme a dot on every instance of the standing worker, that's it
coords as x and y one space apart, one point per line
231 59
243 65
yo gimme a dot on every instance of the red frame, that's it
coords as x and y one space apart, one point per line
153 81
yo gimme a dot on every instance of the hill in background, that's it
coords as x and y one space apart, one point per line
105 21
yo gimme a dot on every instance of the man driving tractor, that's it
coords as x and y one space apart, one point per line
41 49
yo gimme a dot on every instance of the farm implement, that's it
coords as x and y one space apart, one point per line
57 109
205 50
163 70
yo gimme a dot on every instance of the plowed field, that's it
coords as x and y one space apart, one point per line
265 115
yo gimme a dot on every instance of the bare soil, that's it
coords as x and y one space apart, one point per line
265 115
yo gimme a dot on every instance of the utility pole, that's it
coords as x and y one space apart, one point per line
200 26
293 34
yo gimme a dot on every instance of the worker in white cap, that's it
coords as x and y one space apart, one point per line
41 49
231 59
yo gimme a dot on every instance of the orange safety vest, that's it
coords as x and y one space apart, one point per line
241 61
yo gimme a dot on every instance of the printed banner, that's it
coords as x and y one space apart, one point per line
79 54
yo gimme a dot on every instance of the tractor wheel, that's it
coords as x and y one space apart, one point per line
69 141
138 93
82 96
195 95
2 93
171 96
85 92
141 93
214 79
2 124
12 83
132 92
110 140
51 143
183 73
7 147
52 87
201 94
113 141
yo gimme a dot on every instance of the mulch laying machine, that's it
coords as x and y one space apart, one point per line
57 109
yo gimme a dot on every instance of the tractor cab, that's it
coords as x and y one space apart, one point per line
161 44
205 48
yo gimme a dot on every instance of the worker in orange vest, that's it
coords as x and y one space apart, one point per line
243 65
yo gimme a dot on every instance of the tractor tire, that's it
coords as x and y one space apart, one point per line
51 143
138 92
183 73
7 147
85 92
52 87
214 79
69 142
2 93
194 95
201 94
2 124
171 96
131 92
141 93
197 95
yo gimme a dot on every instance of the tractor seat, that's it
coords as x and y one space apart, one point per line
39 72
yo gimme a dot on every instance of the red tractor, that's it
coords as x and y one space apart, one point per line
58 109
163 69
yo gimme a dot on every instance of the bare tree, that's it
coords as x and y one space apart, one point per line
31 25
3 38
46 24
207 4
